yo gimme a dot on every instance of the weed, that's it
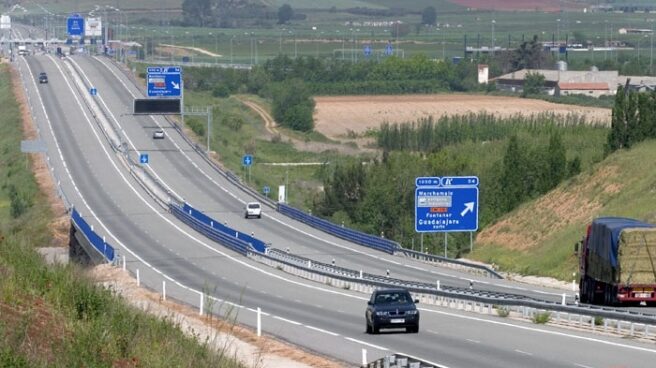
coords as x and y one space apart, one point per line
598 320
502 311
541 318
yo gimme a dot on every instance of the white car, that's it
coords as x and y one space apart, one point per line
158 134
253 209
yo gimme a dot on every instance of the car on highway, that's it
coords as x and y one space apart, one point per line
43 77
253 209
391 308
158 134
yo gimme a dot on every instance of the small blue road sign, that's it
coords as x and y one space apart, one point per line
75 25
247 160
389 50
450 205
165 81
143 158
93 91
266 190
367 50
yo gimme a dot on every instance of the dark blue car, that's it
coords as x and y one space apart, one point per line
392 308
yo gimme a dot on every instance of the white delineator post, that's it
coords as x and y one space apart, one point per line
164 290
201 304
259 322
138 278
364 357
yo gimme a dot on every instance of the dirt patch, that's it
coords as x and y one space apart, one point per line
187 50
241 342
308 146
519 5
553 211
59 226
339 116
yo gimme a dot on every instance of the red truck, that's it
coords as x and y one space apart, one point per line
618 262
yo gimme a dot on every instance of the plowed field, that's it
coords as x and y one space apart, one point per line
335 116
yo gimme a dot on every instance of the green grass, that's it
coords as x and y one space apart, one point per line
622 185
54 315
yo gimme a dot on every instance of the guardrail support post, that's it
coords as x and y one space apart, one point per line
138 278
438 285
361 274
201 303
259 322
563 302
163 289
364 357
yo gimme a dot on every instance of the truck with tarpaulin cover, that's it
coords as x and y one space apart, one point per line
618 262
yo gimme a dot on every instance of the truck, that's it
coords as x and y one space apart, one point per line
617 262
22 50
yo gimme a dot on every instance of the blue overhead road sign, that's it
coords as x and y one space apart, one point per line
446 204
75 25
164 81
247 160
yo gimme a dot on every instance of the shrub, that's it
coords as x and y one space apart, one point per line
196 126
234 122
221 90
598 321
502 311
541 318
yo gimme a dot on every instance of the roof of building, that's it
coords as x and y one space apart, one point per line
570 76
602 86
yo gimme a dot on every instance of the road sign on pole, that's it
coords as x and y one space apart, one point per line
389 50
143 158
75 25
164 81
367 50
93 91
247 160
266 190
446 208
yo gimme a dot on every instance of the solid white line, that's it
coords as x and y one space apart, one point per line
288 321
321 330
366 344
474 341
523 352
582 366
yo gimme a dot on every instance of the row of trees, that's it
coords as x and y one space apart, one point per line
232 13
430 134
634 119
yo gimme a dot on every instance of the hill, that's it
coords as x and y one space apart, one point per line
538 238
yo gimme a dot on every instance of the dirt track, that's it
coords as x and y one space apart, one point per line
336 116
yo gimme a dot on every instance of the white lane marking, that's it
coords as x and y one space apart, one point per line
474 341
415 267
433 332
581 365
113 117
288 321
366 344
561 334
537 330
322 330
523 352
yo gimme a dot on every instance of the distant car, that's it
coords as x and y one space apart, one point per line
253 209
158 134
43 77
391 308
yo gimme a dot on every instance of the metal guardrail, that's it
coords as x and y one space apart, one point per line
230 242
214 225
477 296
439 259
94 239
370 241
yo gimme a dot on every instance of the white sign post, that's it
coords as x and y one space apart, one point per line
282 198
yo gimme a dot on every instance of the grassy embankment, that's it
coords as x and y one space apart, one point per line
55 316
538 238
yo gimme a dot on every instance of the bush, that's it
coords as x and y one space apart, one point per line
221 91
541 318
293 105
598 321
234 122
196 126
502 311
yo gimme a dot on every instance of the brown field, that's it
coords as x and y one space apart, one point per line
335 116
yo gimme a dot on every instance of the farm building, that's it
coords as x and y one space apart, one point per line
514 82
592 89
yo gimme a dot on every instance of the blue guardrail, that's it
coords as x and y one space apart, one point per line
257 244
371 241
229 241
96 241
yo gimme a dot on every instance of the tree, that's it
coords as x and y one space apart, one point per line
429 16
533 84
293 105
557 161
512 178
285 13
197 12
529 55
618 127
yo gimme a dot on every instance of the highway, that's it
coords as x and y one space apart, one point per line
320 318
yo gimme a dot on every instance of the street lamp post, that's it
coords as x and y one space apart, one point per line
231 41
493 22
